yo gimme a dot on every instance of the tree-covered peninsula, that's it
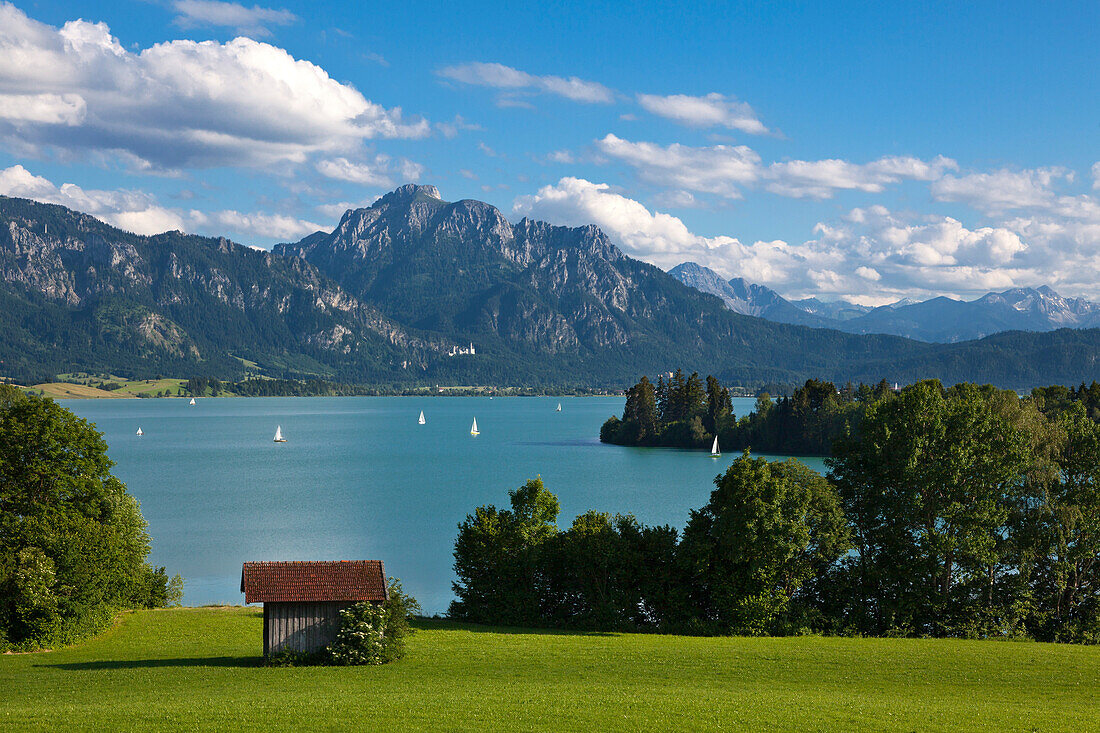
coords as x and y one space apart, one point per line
687 412
964 511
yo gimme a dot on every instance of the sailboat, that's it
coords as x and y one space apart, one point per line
559 408
279 434
473 428
192 401
139 431
422 421
715 451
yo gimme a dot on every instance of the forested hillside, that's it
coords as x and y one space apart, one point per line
397 294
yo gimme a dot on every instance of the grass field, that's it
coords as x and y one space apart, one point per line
199 669
150 387
67 391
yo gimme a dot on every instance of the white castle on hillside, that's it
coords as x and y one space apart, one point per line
458 350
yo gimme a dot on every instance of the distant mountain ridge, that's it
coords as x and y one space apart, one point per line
397 290
939 320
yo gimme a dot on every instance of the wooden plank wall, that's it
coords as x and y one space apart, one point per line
304 627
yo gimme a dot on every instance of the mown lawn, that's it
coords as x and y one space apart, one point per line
199 669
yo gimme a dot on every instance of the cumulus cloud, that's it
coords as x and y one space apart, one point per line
719 169
820 179
176 104
725 169
1001 190
369 174
256 224
659 238
872 254
380 171
712 110
252 21
499 76
139 212
133 211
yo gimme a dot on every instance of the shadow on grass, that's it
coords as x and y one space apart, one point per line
444 624
154 663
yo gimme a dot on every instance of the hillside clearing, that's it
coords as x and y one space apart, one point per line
66 391
199 668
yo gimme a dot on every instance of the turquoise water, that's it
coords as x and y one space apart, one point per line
358 478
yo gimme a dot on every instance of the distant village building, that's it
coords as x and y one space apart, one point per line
302 600
460 351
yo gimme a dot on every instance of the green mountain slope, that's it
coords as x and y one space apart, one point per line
398 290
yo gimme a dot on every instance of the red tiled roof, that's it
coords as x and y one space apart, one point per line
343 580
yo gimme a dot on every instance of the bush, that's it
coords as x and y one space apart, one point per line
374 633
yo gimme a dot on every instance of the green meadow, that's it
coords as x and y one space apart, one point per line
199 668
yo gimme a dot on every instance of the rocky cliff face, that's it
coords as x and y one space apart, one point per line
189 297
464 266
746 298
397 292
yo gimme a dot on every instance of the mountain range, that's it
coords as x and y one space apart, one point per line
940 320
418 290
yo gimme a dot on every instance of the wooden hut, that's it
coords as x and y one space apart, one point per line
302 600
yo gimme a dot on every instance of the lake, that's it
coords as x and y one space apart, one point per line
358 478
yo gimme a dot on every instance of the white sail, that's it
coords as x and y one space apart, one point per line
559 408
714 449
192 400
422 421
279 434
139 432
473 428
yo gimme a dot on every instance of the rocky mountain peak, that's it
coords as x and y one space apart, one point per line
408 193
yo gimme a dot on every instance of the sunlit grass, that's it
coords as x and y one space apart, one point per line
200 668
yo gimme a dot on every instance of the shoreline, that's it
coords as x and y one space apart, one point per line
73 391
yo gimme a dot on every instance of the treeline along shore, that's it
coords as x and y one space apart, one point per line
86 386
687 412
965 511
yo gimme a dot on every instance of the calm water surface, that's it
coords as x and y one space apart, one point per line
358 478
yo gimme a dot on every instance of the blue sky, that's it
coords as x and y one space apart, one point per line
862 150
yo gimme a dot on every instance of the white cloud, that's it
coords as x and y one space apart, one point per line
561 156
1001 190
48 109
409 171
677 200
252 21
335 211
655 237
374 173
872 255
499 76
725 169
257 224
820 179
176 104
139 212
1096 176
719 169
133 211
712 110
